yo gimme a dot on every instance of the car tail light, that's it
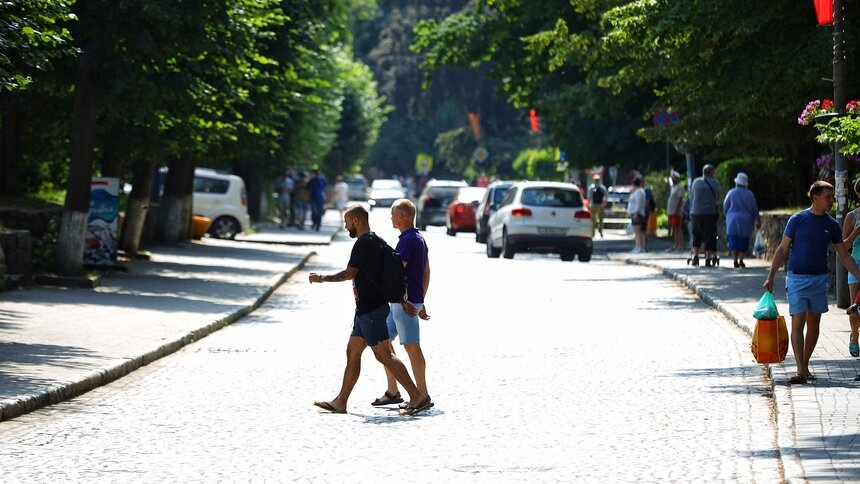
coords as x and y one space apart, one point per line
244 198
582 214
460 209
521 212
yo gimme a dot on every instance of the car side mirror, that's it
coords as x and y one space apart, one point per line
475 203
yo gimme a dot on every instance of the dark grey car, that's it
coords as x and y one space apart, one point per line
495 193
433 201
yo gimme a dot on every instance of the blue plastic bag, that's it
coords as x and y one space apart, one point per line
766 308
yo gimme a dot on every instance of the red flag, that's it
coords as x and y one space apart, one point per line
475 121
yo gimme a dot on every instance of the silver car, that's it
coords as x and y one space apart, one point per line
545 217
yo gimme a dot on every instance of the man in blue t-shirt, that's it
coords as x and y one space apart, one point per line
403 318
804 243
369 328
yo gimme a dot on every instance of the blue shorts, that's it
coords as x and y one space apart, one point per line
739 244
851 278
807 293
371 326
404 325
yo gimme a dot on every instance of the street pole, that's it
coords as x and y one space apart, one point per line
839 100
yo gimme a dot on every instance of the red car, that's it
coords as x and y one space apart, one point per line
461 211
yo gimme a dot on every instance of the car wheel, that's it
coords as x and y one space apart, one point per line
567 255
585 256
480 235
224 228
492 252
507 249
450 230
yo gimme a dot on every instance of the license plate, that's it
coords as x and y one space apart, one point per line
551 231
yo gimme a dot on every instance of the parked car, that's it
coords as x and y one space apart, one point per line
495 193
545 217
384 192
357 187
221 197
433 202
461 210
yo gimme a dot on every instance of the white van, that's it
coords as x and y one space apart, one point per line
222 198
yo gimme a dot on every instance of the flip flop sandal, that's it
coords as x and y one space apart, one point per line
388 399
404 406
415 410
328 407
854 349
797 379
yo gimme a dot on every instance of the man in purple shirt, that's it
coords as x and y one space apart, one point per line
403 318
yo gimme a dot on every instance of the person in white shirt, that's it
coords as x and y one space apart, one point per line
340 194
675 210
636 211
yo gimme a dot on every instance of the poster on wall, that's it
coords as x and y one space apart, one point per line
102 224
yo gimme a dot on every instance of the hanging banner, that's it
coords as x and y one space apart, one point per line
102 235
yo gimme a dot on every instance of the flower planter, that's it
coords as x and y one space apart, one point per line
825 118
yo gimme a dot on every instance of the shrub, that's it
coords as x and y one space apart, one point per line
770 180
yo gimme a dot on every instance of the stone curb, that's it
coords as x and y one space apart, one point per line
70 389
786 438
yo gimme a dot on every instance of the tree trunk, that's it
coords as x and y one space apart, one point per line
138 205
253 189
176 206
13 130
70 242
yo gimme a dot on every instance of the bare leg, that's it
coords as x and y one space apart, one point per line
392 382
419 366
398 369
798 321
854 318
813 325
354 349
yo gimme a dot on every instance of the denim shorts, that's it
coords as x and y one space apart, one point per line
851 278
807 293
371 326
404 325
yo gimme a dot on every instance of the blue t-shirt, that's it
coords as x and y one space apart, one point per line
810 236
413 250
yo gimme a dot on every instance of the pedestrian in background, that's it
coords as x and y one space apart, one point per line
636 211
317 185
742 218
369 326
805 241
675 210
597 200
851 234
403 320
340 194
284 187
301 200
704 200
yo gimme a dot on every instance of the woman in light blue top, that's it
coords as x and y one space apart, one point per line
851 236
741 218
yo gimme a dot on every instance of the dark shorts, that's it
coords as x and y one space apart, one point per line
705 231
372 326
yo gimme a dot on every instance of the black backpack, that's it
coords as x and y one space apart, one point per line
392 283
597 195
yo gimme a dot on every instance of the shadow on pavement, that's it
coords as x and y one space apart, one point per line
20 355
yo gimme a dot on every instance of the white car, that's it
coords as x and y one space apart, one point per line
221 198
383 193
546 217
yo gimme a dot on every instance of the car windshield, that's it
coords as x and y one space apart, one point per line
471 194
386 185
551 197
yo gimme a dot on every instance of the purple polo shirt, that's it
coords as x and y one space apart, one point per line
413 250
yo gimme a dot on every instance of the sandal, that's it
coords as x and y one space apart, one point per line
853 349
797 379
388 399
